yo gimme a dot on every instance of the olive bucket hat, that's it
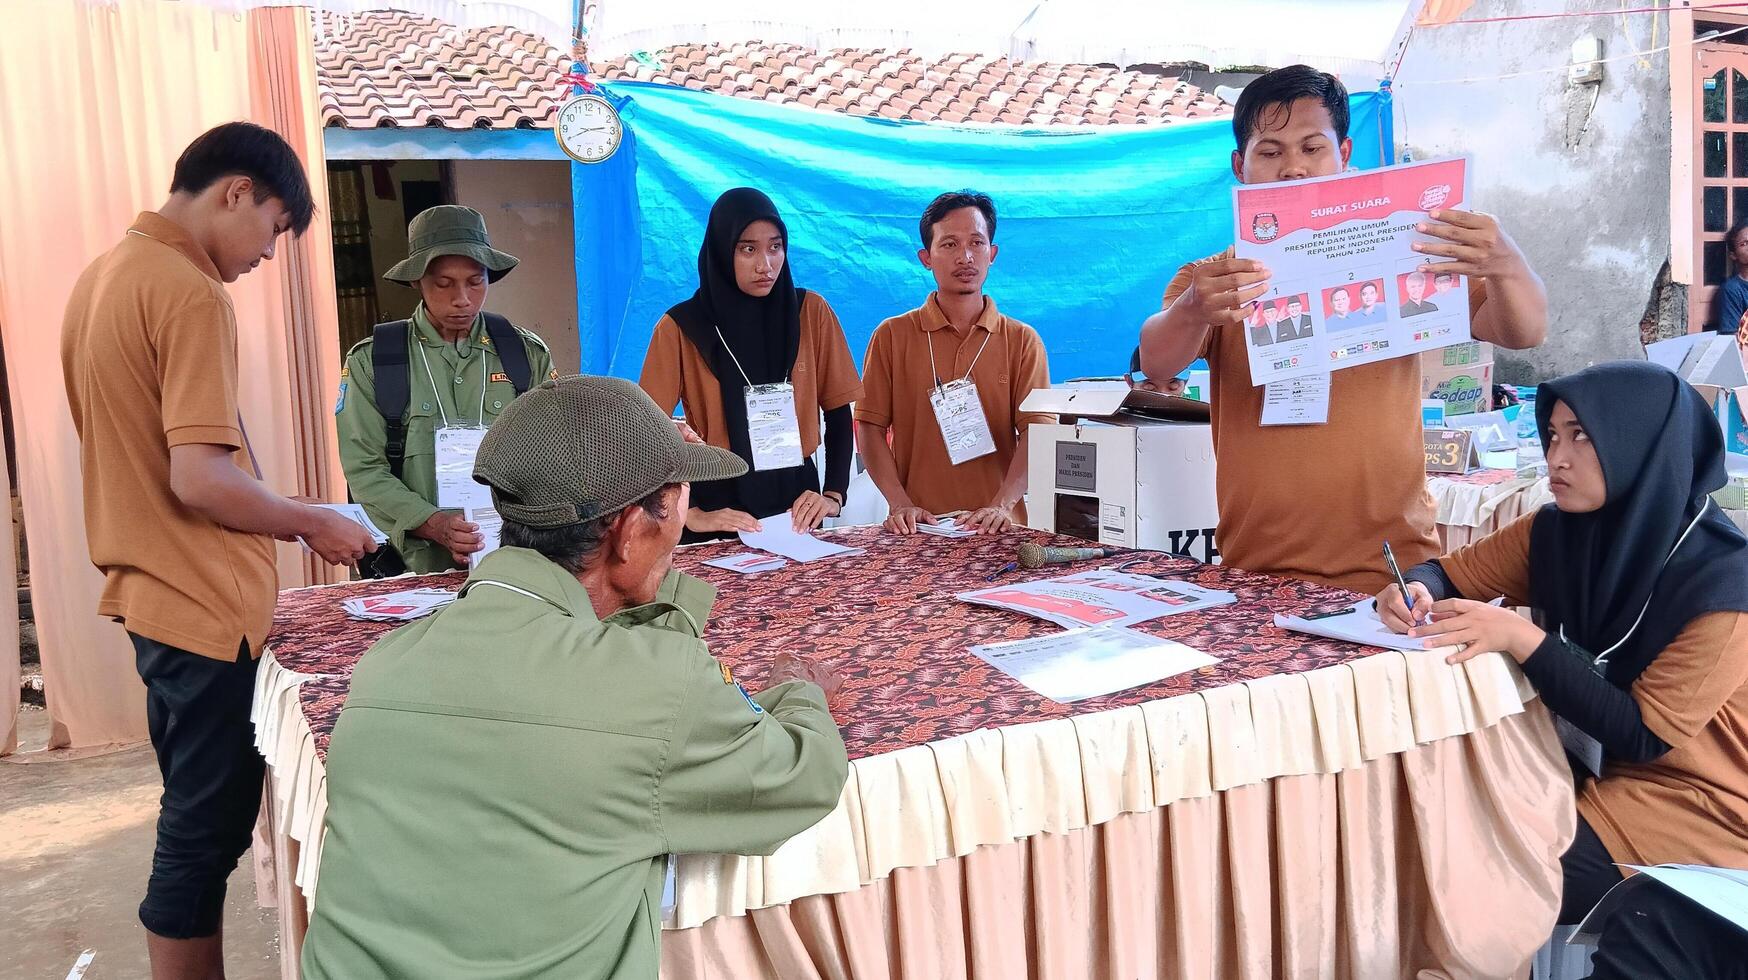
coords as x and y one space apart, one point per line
449 229
580 448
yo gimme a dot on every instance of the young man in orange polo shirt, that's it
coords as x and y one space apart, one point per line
1318 502
946 381
175 513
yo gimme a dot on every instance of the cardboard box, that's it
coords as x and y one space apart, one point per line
1458 355
1730 405
1460 375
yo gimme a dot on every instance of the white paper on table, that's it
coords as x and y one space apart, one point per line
402 606
779 537
1357 625
456 488
491 527
1297 401
355 513
747 562
944 528
1337 235
1098 598
1722 891
1088 663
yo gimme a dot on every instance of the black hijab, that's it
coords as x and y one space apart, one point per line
762 333
1662 454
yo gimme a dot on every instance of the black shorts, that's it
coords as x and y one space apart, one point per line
197 710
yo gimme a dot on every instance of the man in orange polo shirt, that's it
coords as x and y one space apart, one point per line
175 512
1317 502
946 381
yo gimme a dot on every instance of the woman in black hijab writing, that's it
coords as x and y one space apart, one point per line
1638 584
754 362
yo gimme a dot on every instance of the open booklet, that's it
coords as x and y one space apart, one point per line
1356 624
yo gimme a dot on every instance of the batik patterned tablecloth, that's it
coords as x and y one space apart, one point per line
887 621
950 755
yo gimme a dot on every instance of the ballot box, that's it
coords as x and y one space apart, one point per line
1123 467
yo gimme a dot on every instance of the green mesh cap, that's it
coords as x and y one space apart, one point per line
580 448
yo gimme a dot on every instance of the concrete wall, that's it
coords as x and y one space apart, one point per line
527 204
1583 191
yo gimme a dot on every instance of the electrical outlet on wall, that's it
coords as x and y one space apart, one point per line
1586 67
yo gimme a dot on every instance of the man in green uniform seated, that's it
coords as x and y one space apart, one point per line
451 366
507 775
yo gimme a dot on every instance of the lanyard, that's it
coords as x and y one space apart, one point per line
437 393
1602 658
936 371
253 462
736 360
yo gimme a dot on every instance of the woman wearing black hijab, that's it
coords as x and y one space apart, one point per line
744 334
1638 584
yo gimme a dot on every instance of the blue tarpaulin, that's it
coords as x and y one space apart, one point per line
1092 223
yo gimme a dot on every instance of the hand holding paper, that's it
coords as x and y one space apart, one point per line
1221 291
780 538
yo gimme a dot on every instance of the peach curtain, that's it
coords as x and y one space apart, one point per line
96 103
1438 863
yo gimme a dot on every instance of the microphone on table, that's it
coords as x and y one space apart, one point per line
1037 556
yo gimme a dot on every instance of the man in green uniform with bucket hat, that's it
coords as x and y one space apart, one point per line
507 774
416 396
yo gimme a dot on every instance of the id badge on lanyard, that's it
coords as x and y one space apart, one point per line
457 446
772 430
960 416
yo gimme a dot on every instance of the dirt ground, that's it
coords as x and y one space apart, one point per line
75 849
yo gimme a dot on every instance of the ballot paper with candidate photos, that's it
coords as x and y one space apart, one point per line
749 562
1099 598
1346 287
398 607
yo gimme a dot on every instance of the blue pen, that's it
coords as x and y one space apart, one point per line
1401 583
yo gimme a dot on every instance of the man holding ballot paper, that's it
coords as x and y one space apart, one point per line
1364 464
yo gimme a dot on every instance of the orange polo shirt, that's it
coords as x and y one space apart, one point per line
1317 502
149 353
824 376
897 379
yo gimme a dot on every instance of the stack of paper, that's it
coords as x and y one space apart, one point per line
356 514
946 528
1090 663
748 562
1099 598
398 607
779 537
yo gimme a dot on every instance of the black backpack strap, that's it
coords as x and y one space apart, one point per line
389 362
512 352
